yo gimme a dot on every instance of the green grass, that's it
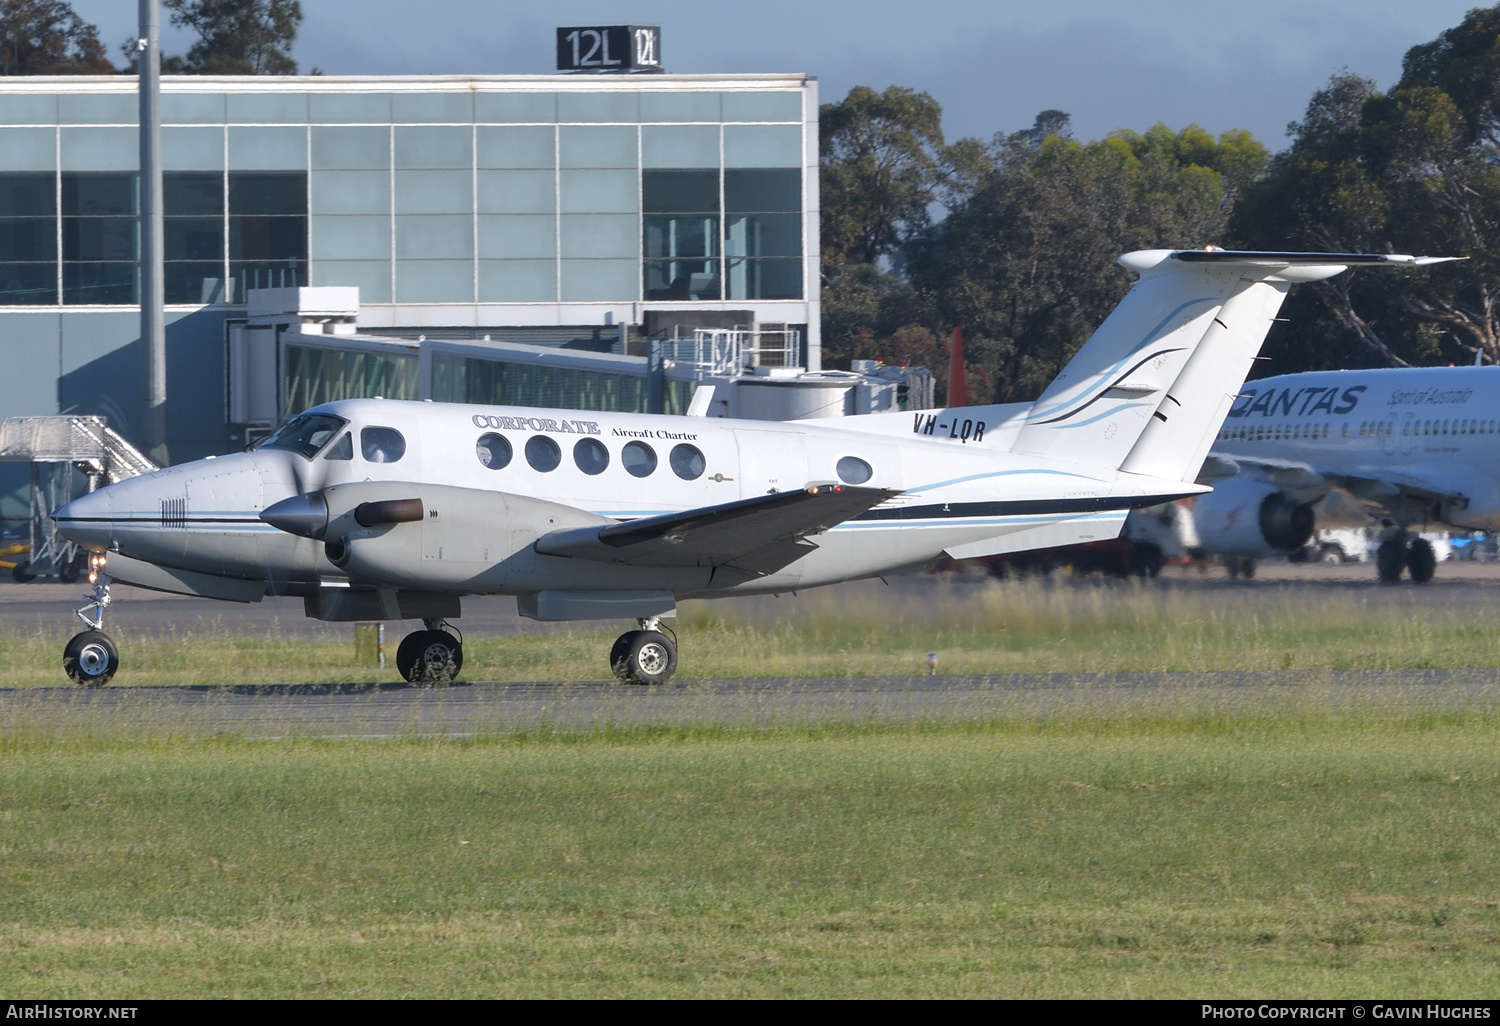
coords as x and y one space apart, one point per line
1179 853
996 628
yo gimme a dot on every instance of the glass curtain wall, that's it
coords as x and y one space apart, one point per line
28 239
419 197
99 227
763 233
313 375
464 379
680 234
193 212
267 229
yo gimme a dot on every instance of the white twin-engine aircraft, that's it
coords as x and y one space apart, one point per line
385 510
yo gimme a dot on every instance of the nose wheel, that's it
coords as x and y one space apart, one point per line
90 657
432 656
646 656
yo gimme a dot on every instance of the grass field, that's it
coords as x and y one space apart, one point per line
1315 841
1017 627
1169 855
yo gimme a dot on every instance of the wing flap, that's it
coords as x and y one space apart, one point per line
759 535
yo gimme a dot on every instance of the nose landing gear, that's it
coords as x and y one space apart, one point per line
90 658
646 656
432 656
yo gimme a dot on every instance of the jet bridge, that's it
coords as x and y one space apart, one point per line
59 449
302 346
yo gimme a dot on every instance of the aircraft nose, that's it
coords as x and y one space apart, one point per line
87 520
304 515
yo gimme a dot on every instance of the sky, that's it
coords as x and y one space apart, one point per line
991 64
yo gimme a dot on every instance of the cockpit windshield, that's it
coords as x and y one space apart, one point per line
305 434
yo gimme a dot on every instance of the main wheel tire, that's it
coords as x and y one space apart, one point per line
1247 568
21 573
650 658
91 659
619 653
1390 560
1421 561
429 657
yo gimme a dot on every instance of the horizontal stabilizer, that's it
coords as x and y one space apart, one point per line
759 535
1265 258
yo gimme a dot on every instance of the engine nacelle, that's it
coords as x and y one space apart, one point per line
1245 517
443 538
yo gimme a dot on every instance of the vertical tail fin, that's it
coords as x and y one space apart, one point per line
1150 388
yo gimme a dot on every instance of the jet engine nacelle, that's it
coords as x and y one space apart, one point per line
1245 517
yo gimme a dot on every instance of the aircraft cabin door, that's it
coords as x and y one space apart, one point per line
1391 443
770 461
1408 434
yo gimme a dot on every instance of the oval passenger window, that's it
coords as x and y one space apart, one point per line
542 453
639 459
493 450
687 462
591 456
853 470
381 444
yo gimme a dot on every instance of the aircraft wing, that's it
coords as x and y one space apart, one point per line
1291 476
758 535
1382 485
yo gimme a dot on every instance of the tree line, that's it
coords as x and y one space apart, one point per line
1015 239
234 37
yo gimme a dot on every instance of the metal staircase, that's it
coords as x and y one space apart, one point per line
54 447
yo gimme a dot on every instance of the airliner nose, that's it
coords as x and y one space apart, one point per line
87 520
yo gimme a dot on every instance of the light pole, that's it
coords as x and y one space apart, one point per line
153 296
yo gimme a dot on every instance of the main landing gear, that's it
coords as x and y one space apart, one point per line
1403 552
433 656
90 658
646 656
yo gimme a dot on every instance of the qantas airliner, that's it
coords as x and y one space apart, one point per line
1419 447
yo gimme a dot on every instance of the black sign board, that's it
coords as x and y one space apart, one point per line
617 48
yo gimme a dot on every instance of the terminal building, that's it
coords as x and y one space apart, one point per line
497 221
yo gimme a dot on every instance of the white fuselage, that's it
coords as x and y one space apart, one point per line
1422 431
959 487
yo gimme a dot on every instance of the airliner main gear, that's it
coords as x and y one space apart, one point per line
1421 561
429 657
1390 560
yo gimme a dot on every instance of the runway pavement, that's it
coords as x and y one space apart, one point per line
397 710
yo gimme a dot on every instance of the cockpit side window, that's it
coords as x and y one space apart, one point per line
381 444
305 434
343 449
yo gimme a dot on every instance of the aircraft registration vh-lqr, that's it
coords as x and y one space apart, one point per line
387 510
